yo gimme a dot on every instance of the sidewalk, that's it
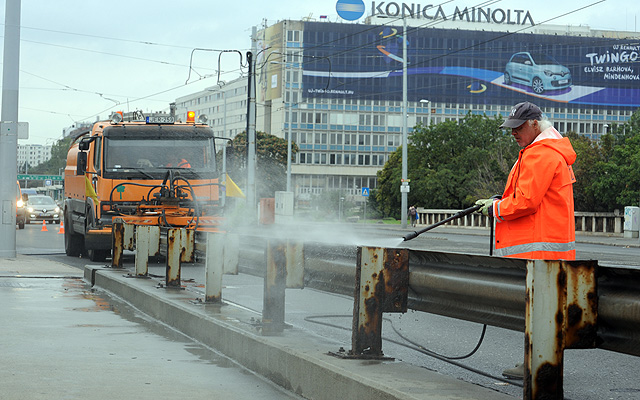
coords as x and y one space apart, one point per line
62 340
296 359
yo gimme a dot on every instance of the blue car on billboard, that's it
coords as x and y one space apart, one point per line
538 71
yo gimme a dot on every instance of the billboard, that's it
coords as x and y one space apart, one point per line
463 66
269 81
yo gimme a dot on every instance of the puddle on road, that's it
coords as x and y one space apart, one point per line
104 302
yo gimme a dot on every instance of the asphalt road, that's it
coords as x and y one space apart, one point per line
589 374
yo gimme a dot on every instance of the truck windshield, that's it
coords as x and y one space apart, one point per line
153 156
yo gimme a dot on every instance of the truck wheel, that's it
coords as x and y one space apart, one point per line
94 254
73 242
98 255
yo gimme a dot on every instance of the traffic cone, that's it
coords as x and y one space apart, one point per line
44 226
61 230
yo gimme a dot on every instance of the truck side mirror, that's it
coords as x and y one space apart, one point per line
84 144
81 165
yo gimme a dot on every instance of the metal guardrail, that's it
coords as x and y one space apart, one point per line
590 306
593 306
482 289
597 223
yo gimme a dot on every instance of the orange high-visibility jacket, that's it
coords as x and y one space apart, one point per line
535 216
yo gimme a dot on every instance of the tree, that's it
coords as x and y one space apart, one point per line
589 161
58 158
450 165
608 172
271 154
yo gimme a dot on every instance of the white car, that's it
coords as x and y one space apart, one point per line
42 208
541 72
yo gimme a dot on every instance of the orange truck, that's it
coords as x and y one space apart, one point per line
143 169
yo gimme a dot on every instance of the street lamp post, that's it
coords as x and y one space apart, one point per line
404 185
287 67
426 103
290 123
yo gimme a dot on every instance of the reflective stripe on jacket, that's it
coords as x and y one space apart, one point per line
535 217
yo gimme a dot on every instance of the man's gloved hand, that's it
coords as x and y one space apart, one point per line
487 207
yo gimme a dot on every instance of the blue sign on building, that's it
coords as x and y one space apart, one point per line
350 10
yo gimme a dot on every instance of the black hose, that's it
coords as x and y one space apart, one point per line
419 348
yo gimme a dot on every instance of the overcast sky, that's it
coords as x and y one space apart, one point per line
83 59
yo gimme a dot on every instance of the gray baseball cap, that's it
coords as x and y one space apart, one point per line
520 113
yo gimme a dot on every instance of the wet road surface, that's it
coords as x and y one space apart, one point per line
61 340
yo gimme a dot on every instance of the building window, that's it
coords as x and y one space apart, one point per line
321 118
306 117
321 138
378 120
293 36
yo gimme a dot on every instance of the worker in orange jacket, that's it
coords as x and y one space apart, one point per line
535 216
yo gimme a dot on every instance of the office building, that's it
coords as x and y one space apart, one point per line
337 87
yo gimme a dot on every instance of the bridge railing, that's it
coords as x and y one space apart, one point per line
597 223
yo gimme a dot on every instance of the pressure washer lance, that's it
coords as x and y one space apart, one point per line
455 216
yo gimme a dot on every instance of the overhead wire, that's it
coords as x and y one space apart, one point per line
488 2
377 26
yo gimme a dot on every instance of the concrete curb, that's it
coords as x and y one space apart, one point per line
296 360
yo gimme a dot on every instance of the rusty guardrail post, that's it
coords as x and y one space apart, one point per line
174 250
187 244
294 254
214 267
147 244
561 313
142 250
117 243
285 269
382 282
231 253
274 287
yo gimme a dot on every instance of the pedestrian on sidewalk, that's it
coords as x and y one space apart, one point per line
413 215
